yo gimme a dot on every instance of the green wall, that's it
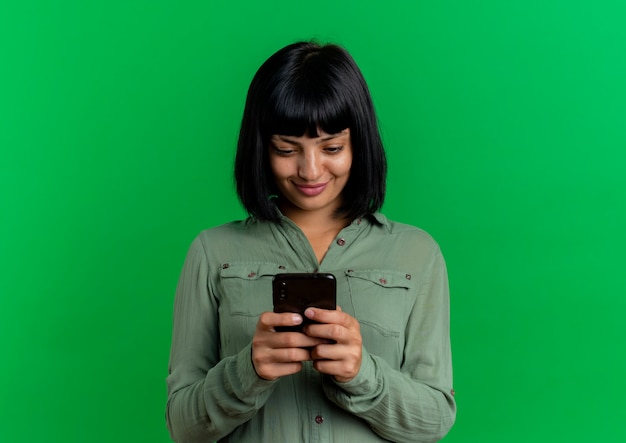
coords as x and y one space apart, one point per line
505 127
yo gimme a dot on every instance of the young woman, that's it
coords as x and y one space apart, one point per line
310 170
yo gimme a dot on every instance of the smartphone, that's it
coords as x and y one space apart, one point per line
296 292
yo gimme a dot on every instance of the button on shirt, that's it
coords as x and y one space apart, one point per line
391 277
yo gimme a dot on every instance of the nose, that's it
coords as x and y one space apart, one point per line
310 167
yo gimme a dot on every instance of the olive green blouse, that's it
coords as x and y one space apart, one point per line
390 276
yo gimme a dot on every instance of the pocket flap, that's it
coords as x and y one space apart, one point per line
250 270
384 278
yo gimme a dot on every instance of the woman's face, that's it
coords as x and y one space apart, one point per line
311 172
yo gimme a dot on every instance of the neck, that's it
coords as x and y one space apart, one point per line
319 227
322 220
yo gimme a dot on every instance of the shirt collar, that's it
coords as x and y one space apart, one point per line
375 218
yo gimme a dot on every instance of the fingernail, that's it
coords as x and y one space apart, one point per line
297 319
309 313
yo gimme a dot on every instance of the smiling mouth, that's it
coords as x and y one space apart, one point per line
311 190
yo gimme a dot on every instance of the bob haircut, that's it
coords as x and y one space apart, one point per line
301 89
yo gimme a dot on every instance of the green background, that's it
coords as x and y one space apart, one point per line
504 123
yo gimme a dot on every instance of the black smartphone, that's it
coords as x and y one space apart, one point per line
296 292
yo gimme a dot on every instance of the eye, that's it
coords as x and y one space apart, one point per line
333 149
282 151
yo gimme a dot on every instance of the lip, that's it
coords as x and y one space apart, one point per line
311 190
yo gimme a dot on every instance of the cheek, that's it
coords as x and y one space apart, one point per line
277 168
343 167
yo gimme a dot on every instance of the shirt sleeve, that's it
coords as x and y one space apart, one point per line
208 397
414 403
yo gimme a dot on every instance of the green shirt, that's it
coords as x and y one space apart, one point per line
390 276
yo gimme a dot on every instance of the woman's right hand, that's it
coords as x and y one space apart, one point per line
276 354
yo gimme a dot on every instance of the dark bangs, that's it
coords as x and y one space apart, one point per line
311 97
298 111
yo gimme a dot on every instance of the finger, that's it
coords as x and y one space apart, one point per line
343 371
294 340
269 320
274 363
290 355
331 316
331 333
275 371
336 352
324 315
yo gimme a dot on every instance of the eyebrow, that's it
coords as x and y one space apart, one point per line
322 140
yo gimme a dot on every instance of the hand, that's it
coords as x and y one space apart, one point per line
276 354
341 353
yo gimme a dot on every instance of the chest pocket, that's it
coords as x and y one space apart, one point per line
382 302
245 293
247 287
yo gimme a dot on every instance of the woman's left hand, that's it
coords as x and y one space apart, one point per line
341 356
